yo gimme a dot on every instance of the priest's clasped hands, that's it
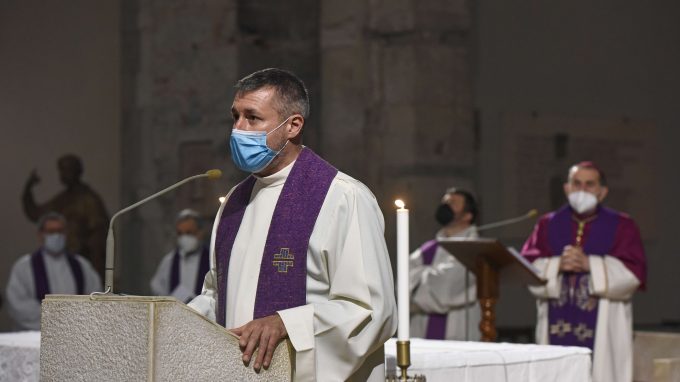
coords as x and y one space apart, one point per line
263 333
574 260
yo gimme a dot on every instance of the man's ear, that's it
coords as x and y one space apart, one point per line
467 217
566 189
294 127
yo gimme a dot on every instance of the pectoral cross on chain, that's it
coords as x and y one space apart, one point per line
283 260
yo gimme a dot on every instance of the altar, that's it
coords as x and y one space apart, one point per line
483 361
20 356
437 360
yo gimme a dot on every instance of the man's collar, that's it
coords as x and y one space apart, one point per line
276 178
469 232
194 252
586 215
46 253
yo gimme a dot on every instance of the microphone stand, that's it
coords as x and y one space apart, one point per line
110 238
502 223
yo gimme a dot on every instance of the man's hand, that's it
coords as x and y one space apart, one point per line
574 260
264 334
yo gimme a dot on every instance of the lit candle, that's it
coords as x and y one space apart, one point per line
403 307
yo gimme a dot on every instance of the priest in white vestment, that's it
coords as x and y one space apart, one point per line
341 310
49 270
593 259
181 272
443 292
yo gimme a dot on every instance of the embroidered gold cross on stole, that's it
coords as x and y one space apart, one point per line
560 328
582 332
283 260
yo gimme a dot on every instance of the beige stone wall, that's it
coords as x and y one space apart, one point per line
397 102
180 65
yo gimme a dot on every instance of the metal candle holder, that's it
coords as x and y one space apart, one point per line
404 361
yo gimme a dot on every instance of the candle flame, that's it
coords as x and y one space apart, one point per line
399 203
222 199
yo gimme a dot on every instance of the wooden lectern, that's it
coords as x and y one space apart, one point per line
488 259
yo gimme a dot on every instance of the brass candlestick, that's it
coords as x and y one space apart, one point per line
403 362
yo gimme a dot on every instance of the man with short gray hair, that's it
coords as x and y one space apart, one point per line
298 247
181 272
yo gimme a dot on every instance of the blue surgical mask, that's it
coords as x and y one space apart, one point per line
55 242
249 149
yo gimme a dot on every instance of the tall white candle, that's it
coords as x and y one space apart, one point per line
403 299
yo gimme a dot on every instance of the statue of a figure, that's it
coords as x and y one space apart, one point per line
86 216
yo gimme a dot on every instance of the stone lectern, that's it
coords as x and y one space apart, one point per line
136 338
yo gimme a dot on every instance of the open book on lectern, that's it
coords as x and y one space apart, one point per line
512 266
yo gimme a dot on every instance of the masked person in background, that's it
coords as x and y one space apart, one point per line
443 292
181 272
593 259
49 270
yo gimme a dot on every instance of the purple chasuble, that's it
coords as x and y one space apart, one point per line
436 322
203 268
572 318
282 282
42 285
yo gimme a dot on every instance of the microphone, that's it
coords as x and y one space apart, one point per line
530 214
110 239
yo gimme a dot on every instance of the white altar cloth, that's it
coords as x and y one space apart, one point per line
20 356
495 362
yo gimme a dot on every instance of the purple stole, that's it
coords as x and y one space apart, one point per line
283 271
572 318
436 322
42 285
203 268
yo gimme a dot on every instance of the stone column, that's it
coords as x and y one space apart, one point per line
397 102
180 63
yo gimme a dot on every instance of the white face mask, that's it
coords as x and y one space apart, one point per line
55 242
187 243
582 201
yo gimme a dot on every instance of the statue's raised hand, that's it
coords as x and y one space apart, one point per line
33 179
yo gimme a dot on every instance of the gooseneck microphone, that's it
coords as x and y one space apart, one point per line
110 239
505 222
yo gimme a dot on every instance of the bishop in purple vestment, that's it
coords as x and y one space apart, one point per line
593 259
